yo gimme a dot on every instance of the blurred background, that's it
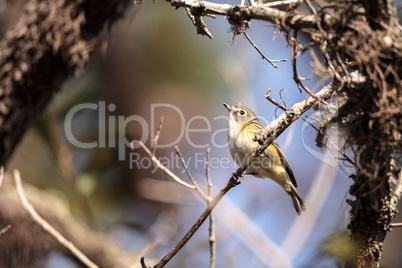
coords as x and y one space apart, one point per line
148 63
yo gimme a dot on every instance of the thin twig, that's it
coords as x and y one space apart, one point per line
277 104
197 188
212 240
5 229
347 158
399 224
276 127
207 175
199 24
329 63
281 3
310 6
46 226
160 166
1 175
232 182
252 3
296 76
143 265
158 133
262 54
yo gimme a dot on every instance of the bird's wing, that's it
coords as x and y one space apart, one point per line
286 163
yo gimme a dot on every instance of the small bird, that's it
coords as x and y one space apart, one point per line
272 163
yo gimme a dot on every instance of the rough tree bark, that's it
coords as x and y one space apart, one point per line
51 40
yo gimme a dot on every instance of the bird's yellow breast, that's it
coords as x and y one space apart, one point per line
241 146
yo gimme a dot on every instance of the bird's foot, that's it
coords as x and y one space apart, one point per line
259 148
237 177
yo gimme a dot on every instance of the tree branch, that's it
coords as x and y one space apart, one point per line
232 182
246 13
162 167
46 226
275 128
40 53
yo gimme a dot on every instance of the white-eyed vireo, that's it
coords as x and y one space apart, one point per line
243 123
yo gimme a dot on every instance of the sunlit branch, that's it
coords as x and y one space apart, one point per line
46 226
162 167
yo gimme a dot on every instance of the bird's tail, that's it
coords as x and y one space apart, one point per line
297 201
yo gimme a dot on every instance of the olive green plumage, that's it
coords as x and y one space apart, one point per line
243 123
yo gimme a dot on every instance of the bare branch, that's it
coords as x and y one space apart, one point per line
347 158
281 3
296 77
275 128
158 133
257 12
162 167
199 24
5 229
212 240
277 104
143 265
310 6
207 175
262 54
46 226
232 182
1 175
197 188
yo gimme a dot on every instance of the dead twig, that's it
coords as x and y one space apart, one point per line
156 138
281 3
160 166
212 240
46 226
1 175
5 229
310 6
347 158
262 54
274 102
296 77
232 182
196 187
199 24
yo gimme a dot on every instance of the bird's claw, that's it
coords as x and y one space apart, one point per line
237 178
259 147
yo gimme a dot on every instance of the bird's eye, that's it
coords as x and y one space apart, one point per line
242 112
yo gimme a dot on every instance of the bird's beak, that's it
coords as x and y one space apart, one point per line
227 106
